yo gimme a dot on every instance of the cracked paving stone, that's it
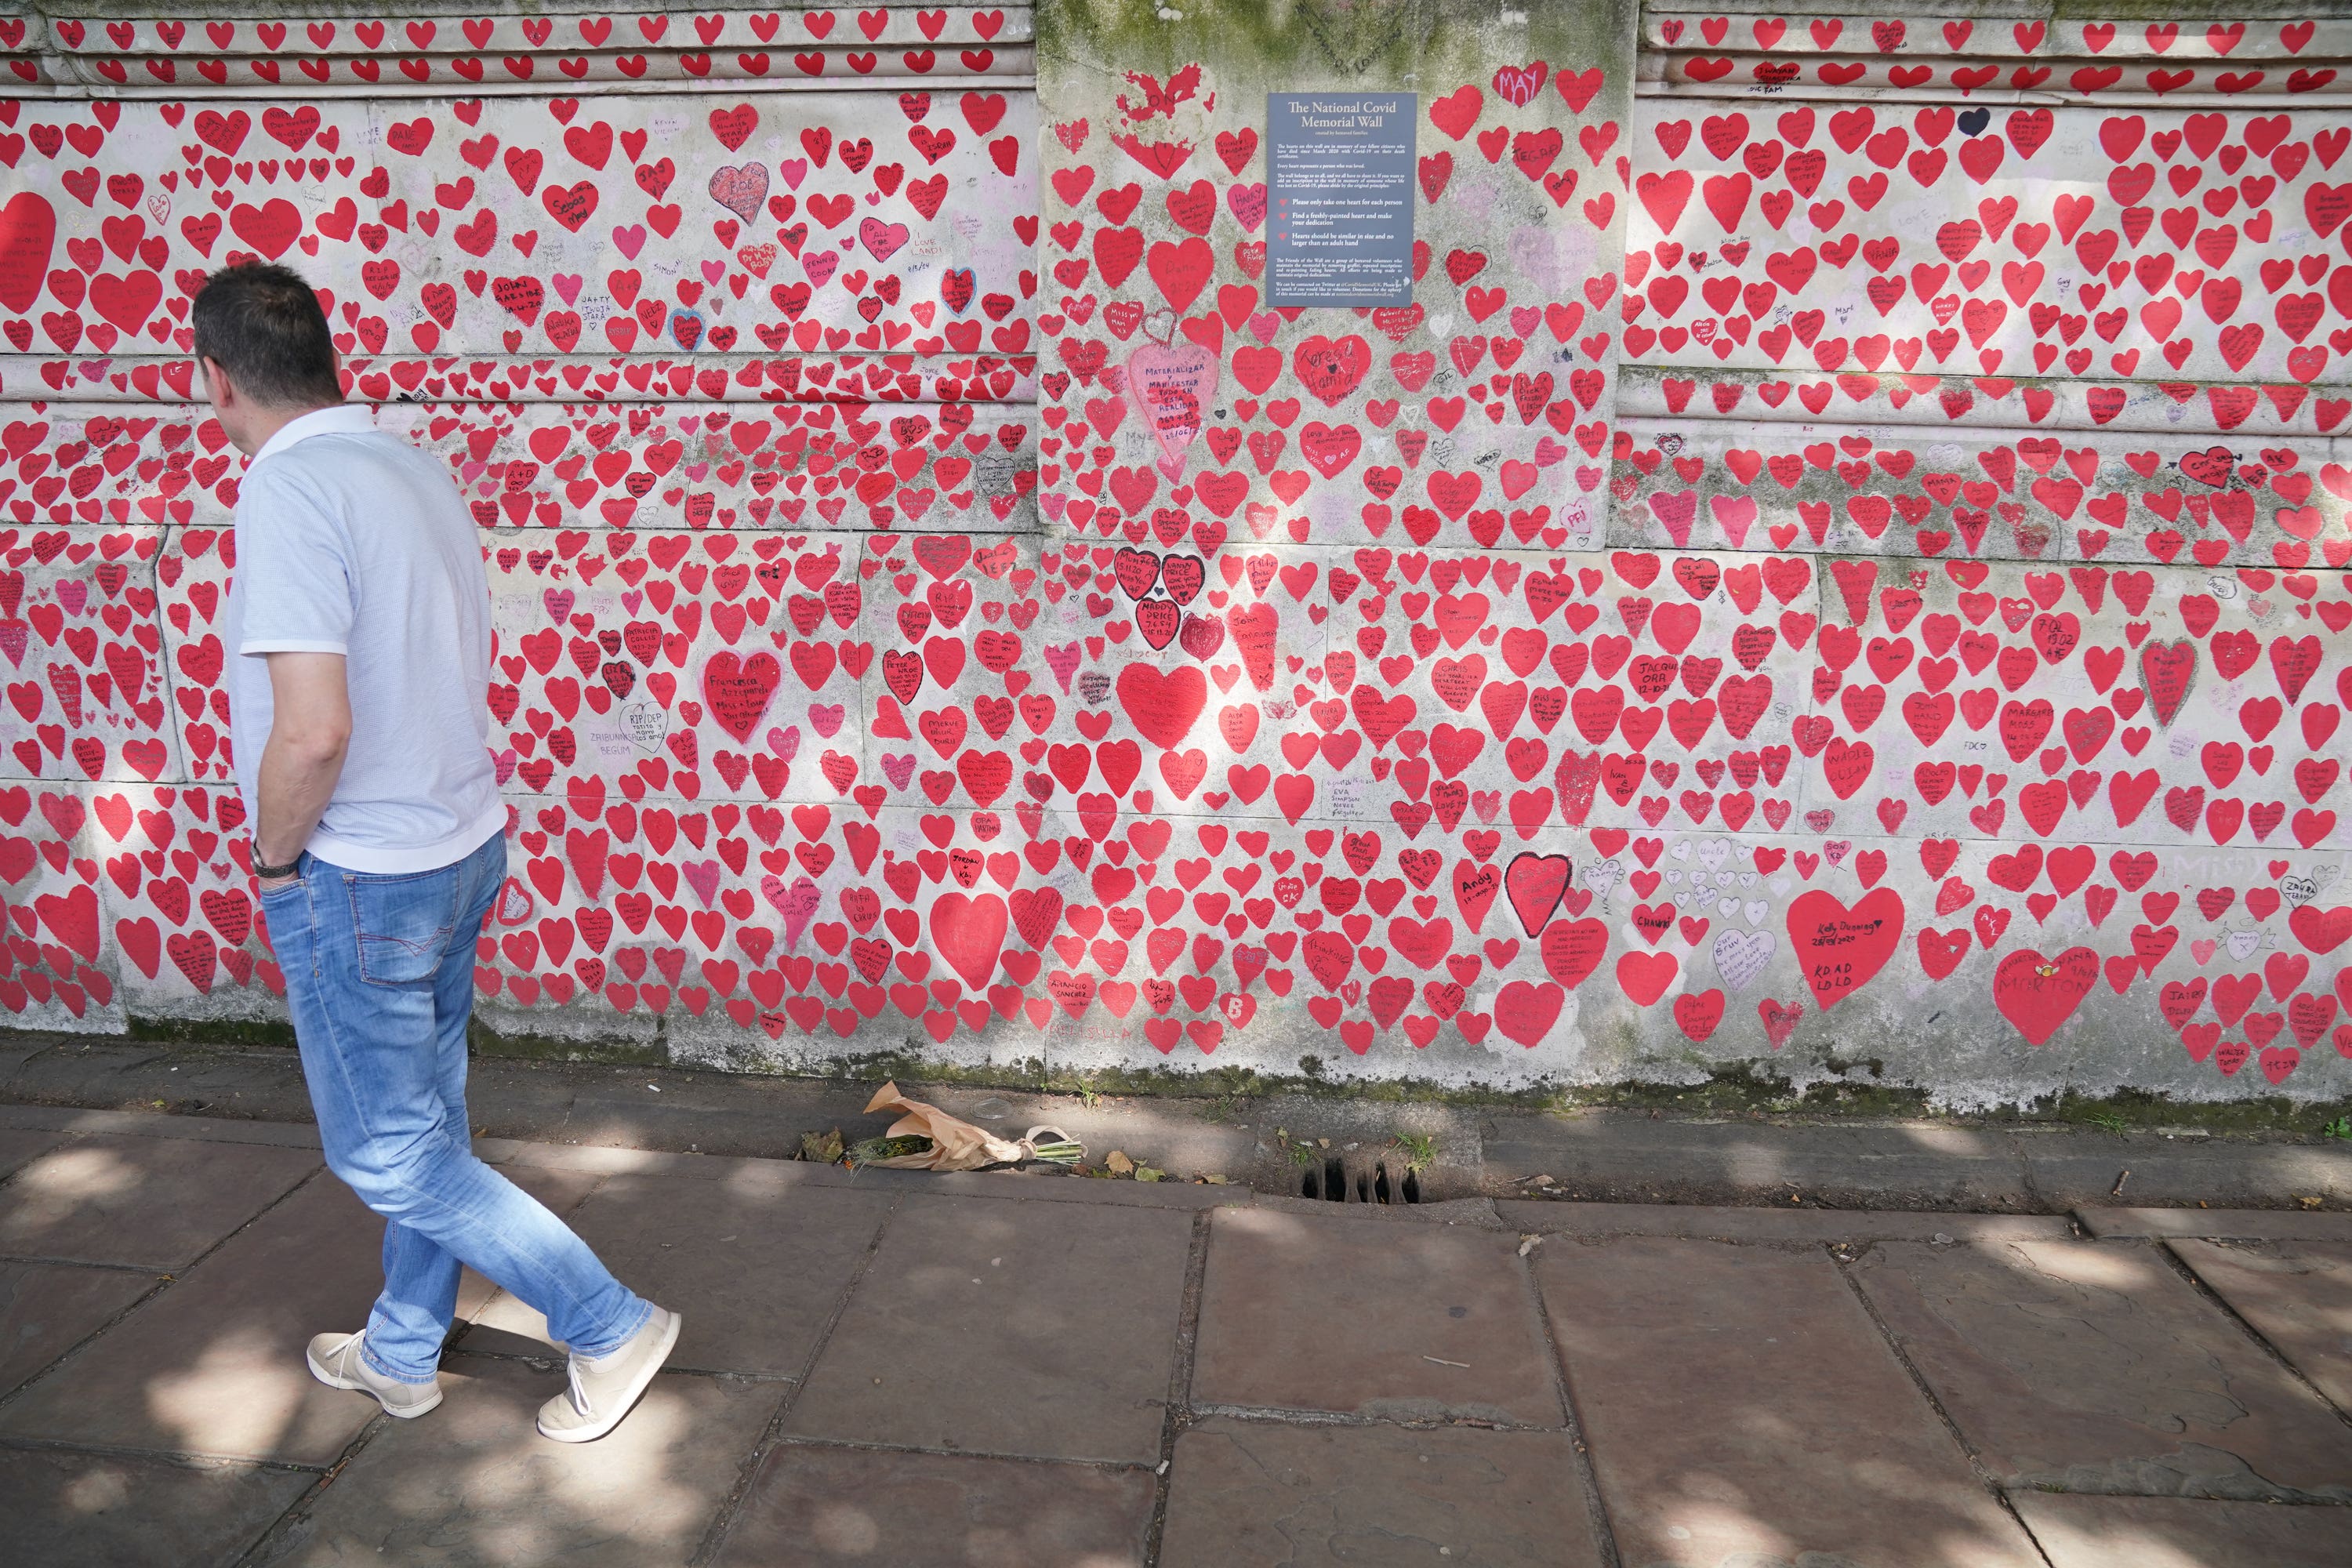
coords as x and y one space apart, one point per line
2092 1366
46 1308
2079 1531
2296 1294
22 1145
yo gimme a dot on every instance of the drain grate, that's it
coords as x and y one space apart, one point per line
1370 1183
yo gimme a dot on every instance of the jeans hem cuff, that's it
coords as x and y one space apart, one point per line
644 1315
376 1365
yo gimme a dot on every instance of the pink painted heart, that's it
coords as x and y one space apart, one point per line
1175 384
882 240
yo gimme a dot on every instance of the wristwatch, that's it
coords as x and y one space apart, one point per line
272 873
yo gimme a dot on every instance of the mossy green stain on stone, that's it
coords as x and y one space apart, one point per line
254 1031
489 1041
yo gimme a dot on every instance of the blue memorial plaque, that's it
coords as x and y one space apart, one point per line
1339 198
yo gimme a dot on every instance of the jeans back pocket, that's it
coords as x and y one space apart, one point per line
403 924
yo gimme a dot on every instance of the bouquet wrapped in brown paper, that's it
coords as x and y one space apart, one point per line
926 1138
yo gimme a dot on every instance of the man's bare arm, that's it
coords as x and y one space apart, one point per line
310 731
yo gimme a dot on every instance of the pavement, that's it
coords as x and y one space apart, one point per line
1610 1154
995 1368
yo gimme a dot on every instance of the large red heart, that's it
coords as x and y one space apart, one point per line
1526 1012
29 230
1534 884
1840 949
2038 994
2322 931
737 689
969 932
270 227
1331 368
1183 269
1162 707
1644 976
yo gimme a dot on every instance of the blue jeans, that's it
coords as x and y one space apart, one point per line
379 978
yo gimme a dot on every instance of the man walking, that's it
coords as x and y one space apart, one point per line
359 625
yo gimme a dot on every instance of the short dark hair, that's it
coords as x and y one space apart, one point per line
261 322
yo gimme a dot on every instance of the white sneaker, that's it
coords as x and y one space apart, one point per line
335 1361
603 1390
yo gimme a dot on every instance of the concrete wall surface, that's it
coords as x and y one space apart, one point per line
1839 568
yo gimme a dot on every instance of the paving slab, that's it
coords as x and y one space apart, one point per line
1737 1400
2079 1531
606 1161
214 1364
1042 1186
2092 1366
473 1486
20 1146
2227 1172
756 1272
1790 1225
201 1128
1620 1156
148 1203
1037 1184
817 1507
1324 1497
36 1117
701 1115
2296 1294
99 1510
132 1075
1046 1331
19 1048
2250 1224
1346 1314
45 1308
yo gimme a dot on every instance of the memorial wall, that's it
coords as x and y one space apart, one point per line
1480 545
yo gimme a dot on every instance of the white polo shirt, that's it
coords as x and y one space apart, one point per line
350 540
